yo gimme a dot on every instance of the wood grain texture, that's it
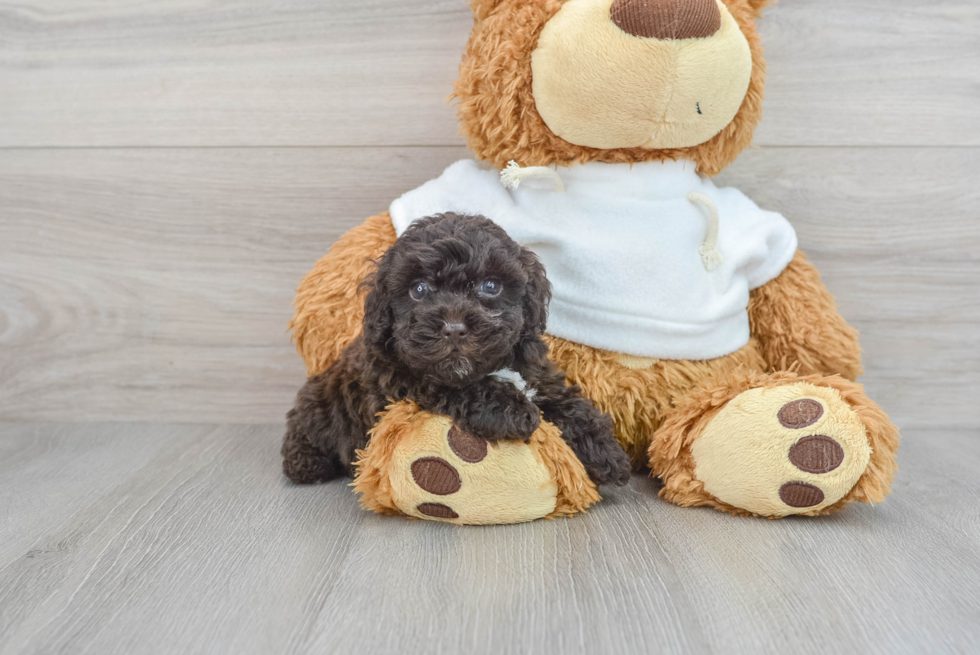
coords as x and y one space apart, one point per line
170 169
151 538
156 284
378 72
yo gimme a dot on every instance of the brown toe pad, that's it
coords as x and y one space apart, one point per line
801 494
816 454
436 475
800 413
467 447
437 510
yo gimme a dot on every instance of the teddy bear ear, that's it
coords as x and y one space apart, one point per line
483 8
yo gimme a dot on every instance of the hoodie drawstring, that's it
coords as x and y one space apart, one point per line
710 256
512 176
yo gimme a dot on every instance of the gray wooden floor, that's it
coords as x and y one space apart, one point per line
170 169
145 538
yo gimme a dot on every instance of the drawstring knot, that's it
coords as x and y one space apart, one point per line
512 176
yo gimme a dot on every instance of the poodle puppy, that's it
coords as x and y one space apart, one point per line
453 322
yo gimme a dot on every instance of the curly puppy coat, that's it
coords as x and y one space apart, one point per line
453 321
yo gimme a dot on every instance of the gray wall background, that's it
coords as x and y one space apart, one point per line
170 170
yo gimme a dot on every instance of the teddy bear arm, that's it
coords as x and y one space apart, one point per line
794 319
329 305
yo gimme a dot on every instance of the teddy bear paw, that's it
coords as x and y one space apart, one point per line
793 449
425 466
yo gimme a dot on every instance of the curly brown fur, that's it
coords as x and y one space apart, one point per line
453 301
639 399
795 319
497 111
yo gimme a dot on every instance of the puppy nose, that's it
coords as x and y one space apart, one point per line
454 331
667 19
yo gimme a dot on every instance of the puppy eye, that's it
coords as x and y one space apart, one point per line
491 288
419 290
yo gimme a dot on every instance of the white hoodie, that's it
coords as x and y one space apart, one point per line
629 254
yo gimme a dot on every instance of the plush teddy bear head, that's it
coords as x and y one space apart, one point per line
569 81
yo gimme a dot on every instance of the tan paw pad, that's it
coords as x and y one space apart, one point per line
776 451
440 472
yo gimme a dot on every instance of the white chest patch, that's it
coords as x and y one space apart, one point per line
515 378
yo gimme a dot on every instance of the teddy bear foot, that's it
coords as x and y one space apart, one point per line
789 450
779 445
424 466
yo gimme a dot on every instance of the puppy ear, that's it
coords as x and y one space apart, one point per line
379 319
531 353
537 295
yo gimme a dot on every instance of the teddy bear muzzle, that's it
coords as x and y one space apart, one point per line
667 19
653 74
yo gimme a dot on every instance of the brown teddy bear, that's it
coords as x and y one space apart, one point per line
681 309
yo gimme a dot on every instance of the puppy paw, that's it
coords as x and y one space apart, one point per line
619 469
505 418
593 440
605 461
526 418
304 464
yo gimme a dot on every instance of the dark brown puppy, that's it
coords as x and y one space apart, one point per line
453 322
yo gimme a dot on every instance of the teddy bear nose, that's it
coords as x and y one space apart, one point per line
454 331
667 19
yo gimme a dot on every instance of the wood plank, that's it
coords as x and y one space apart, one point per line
378 72
870 73
156 285
178 538
139 284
